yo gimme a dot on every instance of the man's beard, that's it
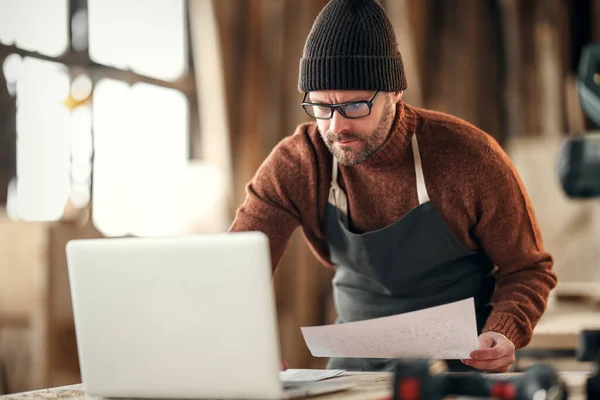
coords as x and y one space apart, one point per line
371 142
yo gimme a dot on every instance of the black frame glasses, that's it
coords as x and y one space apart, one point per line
341 107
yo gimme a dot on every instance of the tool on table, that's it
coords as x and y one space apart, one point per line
414 380
589 350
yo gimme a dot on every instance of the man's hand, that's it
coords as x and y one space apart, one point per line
495 354
284 365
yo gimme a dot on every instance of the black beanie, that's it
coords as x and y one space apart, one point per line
352 46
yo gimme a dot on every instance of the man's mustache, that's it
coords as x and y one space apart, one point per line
343 137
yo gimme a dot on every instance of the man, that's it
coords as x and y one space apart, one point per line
413 208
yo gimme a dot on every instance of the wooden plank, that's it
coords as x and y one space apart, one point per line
271 37
240 42
548 67
489 90
511 28
440 58
528 77
468 63
211 64
574 117
399 13
249 152
228 21
418 10
457 55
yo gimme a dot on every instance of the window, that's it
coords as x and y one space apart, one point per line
81 155
151 36
141 157
107 124
43 137
35 25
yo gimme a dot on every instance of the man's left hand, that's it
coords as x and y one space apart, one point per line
495 354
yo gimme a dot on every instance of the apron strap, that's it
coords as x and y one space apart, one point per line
421 188
337 197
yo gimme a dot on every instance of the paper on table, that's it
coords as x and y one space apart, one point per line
309 375
448 332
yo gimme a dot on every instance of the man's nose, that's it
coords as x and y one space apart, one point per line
338 123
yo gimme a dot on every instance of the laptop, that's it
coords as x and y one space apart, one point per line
180 317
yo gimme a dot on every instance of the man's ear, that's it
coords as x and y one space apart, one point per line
397 96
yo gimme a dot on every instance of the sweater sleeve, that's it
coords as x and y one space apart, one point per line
273 196
509 233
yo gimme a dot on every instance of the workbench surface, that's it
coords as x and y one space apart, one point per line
370 386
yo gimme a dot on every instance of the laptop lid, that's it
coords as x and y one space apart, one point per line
176 317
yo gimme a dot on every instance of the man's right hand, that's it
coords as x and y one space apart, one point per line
284 365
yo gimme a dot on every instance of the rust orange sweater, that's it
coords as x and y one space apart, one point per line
469 178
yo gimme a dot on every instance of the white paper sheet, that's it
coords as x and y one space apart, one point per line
309 375
448 332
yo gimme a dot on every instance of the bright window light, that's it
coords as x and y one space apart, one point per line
43 136
11 200
12 67
146 36
140 158
81 155
35 25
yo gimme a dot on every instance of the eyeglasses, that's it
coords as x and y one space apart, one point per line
352 109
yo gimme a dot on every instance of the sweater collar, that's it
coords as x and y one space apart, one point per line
393 150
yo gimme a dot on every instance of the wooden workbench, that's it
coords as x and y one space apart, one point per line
370 386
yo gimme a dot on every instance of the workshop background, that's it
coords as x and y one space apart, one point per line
184 99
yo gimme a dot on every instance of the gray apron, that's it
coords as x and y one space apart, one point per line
414 263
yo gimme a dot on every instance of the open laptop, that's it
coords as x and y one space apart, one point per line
179 317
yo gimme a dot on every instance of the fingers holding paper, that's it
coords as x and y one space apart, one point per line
495 354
